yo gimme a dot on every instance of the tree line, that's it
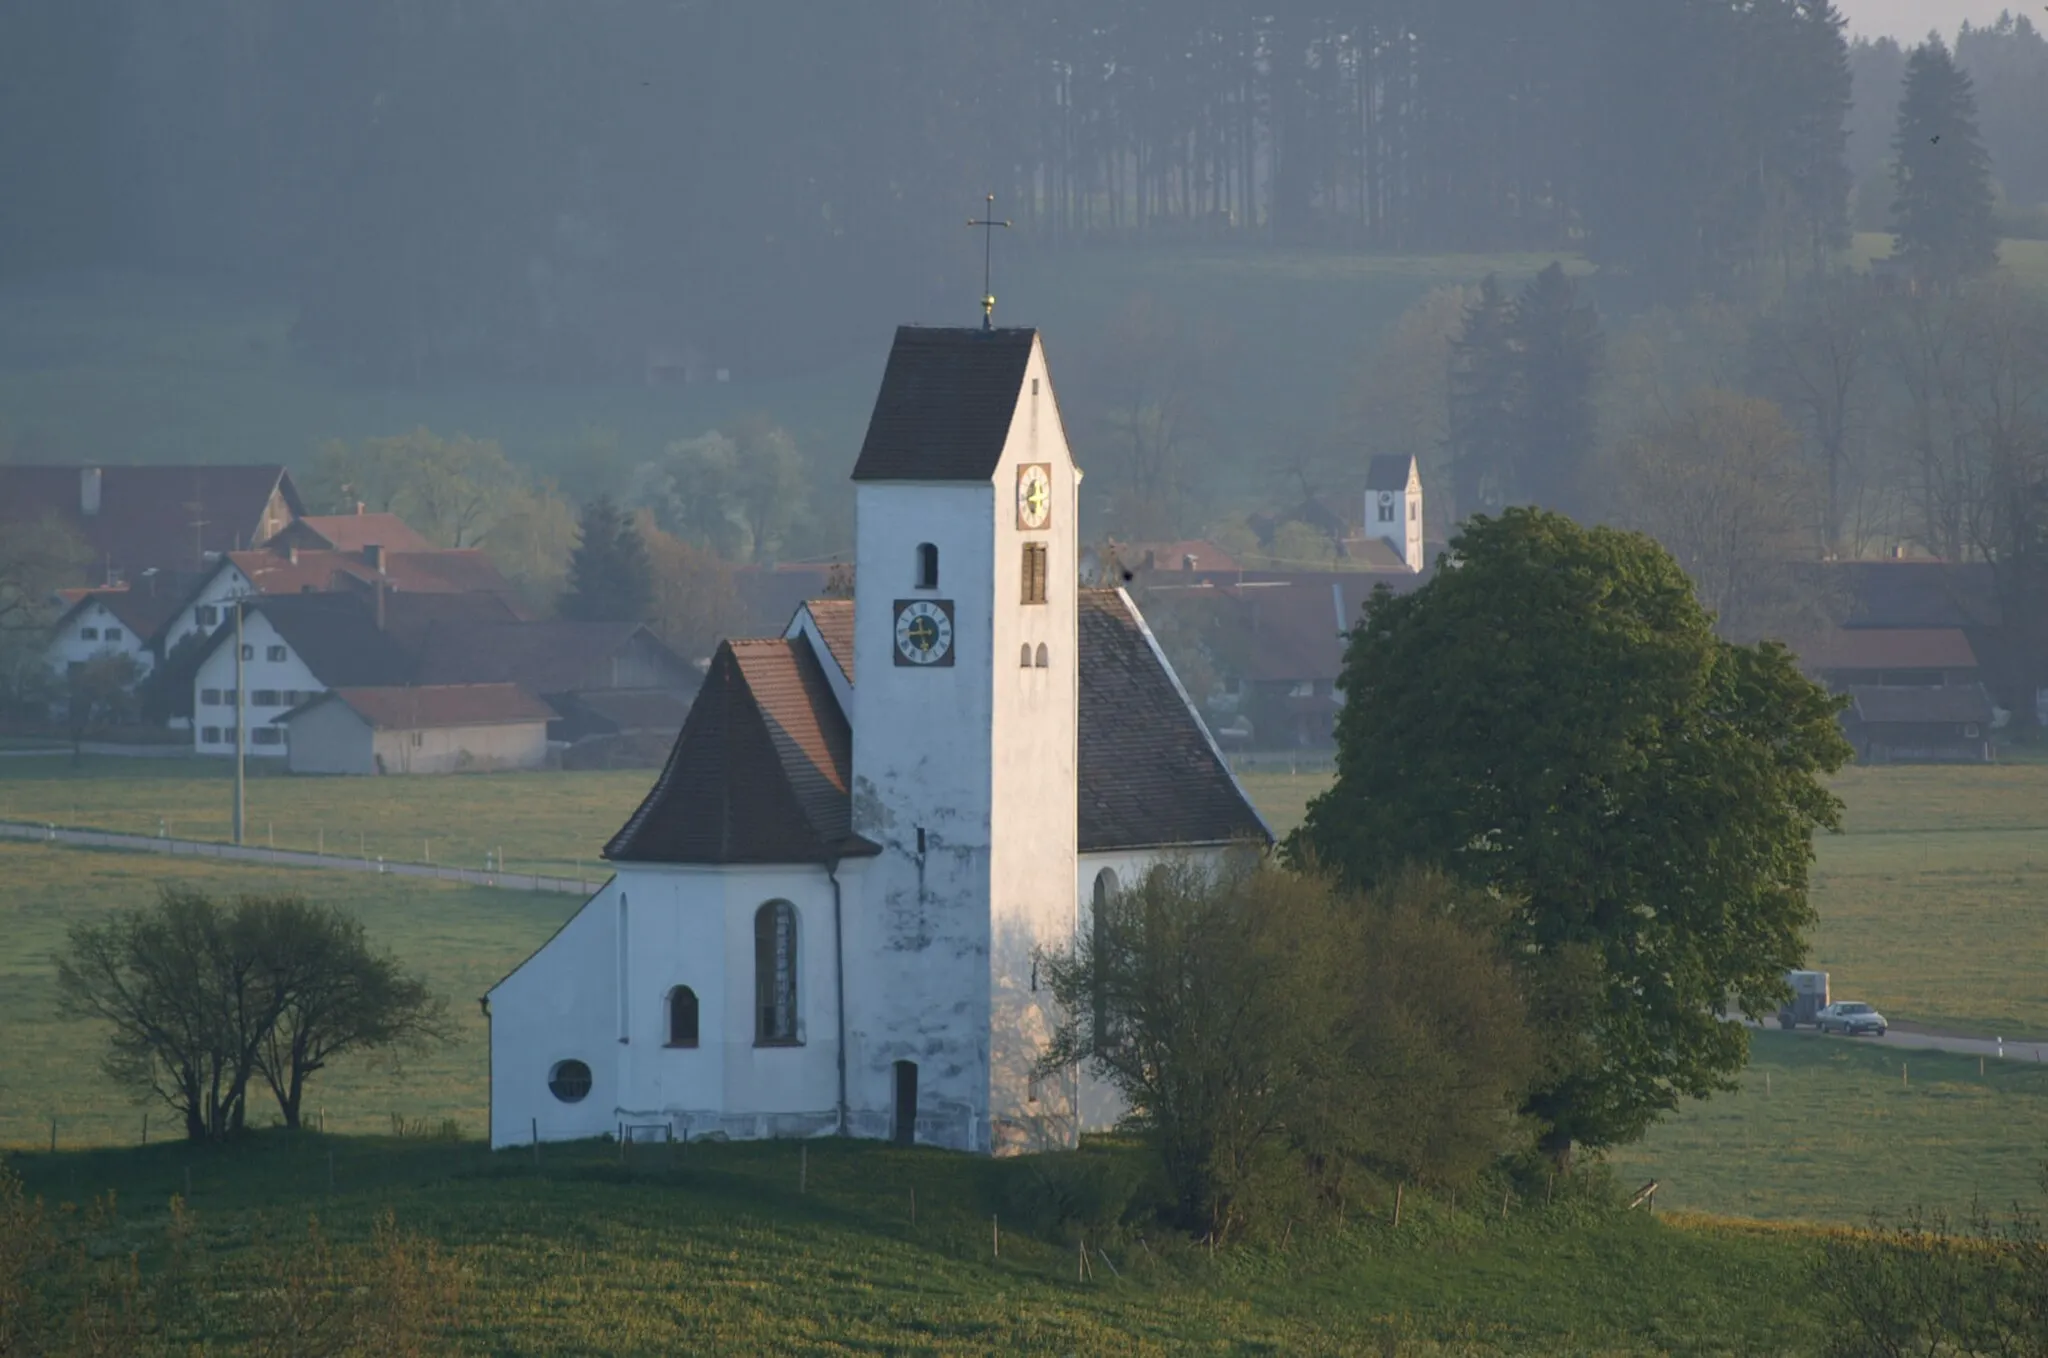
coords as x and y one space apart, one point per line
520 189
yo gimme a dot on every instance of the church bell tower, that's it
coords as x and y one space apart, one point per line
965 739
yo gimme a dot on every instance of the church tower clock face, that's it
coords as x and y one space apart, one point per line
924 632
1034 495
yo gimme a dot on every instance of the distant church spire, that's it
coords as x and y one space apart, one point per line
988 227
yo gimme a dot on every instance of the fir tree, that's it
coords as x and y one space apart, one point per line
610 576
1557 348
1483 398
1942 211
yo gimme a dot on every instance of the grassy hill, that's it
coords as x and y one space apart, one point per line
750 1249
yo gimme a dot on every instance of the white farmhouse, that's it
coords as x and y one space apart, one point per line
101 622
824 914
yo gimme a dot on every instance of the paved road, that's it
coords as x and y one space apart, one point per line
198 848
1912 1036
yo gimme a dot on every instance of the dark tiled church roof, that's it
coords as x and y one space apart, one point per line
1150 775
1389 471
762 769
944 410
760 773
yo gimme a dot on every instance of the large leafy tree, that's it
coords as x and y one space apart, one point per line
1553 718
1942 211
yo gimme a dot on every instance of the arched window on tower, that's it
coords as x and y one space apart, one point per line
927 565
775 975
1044 656
1024 656
1104 1023
682 1017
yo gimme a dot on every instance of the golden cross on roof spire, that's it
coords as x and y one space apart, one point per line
988 227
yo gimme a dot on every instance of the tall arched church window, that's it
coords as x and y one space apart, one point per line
1024 657
1044 656
775 975
1104 1025
927 565
682 1017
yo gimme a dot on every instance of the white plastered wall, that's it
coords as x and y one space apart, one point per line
1033 791
218 673
600 995
918 943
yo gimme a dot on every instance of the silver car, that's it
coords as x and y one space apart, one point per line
1850 1018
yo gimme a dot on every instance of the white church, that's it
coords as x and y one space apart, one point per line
824 915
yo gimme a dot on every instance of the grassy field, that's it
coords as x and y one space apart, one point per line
547 822
713 1248
1933 904
463 938
1832 1129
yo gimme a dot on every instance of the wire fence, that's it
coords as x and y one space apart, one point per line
490 875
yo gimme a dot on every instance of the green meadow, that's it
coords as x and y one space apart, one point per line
699 1248
777 1248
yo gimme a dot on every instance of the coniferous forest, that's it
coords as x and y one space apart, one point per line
521 186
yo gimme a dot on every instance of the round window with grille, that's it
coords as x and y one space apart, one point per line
569 1081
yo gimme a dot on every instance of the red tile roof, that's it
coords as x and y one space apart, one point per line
166 518
760 773
1173 556
463 571
834 618
352 533
1889 648
437 706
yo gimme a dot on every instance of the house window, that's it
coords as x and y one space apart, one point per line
927 565
207 615
209 735
1970 731
111 634
775 975
209 697
1044 656
248 652
419 738
1034 572
569 1081
682 1017
266 697
88 634
266 735
273 653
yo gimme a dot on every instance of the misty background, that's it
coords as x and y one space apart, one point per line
630 245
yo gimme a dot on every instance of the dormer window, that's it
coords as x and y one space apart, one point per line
927 565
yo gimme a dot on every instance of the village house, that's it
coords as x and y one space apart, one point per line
107 622
824 914
441 728
172 521
295 647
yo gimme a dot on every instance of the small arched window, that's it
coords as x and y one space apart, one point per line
927 565
775 975
1024 656
1044 656
682 1017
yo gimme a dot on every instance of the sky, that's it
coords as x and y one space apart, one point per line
1909 20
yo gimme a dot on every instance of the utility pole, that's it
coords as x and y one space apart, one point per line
241 730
